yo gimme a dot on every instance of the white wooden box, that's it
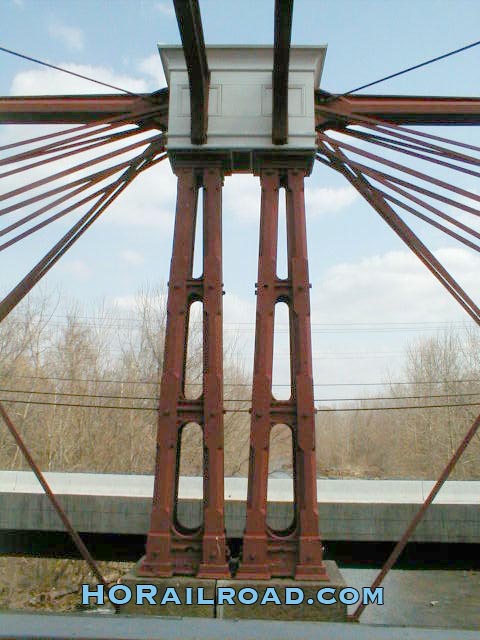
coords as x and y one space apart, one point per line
240 98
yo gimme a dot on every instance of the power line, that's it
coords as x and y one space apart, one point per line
435 323
153 398
246 384
417 66
72 73
96 406
428 406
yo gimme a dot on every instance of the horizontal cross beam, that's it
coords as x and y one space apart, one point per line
191 33
80 109
281 59
419 110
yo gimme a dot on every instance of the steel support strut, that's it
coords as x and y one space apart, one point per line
172 548
296 552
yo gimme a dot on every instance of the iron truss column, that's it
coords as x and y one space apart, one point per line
172 549
214 563
296 552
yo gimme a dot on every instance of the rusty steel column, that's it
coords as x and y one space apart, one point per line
297 551
309 551
173 549
256 562
164 555
214 563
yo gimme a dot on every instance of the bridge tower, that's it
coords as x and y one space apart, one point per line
243 130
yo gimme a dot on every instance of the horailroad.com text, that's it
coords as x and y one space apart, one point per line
143 594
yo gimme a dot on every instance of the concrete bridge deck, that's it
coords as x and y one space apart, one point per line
354 510
105 627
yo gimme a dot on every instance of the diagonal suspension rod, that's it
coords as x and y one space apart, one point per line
71 141
425 205
100 177
78 167
64 187
356 118
52 218
409 185
77 540
434 223
393 137
403 147
127 117
379 177
341 163
20 291
399 167
399 547
87 145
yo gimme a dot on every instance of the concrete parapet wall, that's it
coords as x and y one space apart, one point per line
356 510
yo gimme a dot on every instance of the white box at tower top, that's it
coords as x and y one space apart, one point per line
240 97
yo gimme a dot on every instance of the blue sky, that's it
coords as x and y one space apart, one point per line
360 272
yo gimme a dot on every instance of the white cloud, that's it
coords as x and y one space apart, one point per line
238 310
324 200
78 269
393 287
132 258
152 67
51 82
148 202
71 37
148 76
242 196
165 8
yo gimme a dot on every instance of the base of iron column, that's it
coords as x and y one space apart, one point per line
179 596
274 599
277 592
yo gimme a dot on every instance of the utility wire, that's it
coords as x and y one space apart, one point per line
97 406
72 73
153 398
436 323
246 384
417 66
